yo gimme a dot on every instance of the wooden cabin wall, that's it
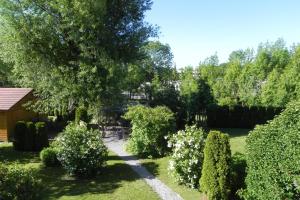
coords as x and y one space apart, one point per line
3 127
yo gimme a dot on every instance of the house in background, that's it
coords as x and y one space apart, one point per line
12 109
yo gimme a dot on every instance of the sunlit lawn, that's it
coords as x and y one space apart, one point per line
159 167
117 181
237 138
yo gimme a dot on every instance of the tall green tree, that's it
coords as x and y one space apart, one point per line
5 75
194 92
73 51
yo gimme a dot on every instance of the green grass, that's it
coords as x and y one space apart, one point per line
237 138
117 181
159 167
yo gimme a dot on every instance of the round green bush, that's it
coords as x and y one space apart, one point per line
273 158
187 155
81 151
215 179
149 128
17 183
49 157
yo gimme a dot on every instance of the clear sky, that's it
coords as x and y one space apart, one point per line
196 29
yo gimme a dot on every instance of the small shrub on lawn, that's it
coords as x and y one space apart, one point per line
215 179
81 151
49 157
149 128
273 158
187 155
18 183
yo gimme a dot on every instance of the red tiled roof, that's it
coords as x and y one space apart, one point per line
10 96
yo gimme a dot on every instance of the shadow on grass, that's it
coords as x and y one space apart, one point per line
152 167
113 157
111 178
57 183
9 155
234 132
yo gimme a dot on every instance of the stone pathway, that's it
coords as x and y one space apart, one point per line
116 145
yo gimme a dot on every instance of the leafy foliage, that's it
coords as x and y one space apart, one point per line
72 51
29 136
187 155
149 127
81 114
49 156
238 175
18 183
19 135
81 151
267 78
194 92
273 158
41 136
215 179
5 75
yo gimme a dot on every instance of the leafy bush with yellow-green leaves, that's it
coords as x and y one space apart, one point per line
149 128
81 151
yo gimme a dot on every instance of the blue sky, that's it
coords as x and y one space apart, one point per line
196 29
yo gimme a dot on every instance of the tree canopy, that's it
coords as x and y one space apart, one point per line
267 78
73 52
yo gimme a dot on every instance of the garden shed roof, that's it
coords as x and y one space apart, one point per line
11 96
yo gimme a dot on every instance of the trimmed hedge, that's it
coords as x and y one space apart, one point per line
41 137
19 135
30 136
215 179
239 116
273 158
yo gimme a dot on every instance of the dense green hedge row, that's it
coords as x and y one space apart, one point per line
239 116
273 158
30 136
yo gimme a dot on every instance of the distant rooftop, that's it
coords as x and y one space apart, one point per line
11 96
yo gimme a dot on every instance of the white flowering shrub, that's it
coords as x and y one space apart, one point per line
81 151
187 155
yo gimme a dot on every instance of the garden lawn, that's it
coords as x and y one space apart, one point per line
117 181
237 138
159 167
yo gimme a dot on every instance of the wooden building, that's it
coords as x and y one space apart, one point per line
12 109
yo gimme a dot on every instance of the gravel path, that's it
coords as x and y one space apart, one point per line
117 146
